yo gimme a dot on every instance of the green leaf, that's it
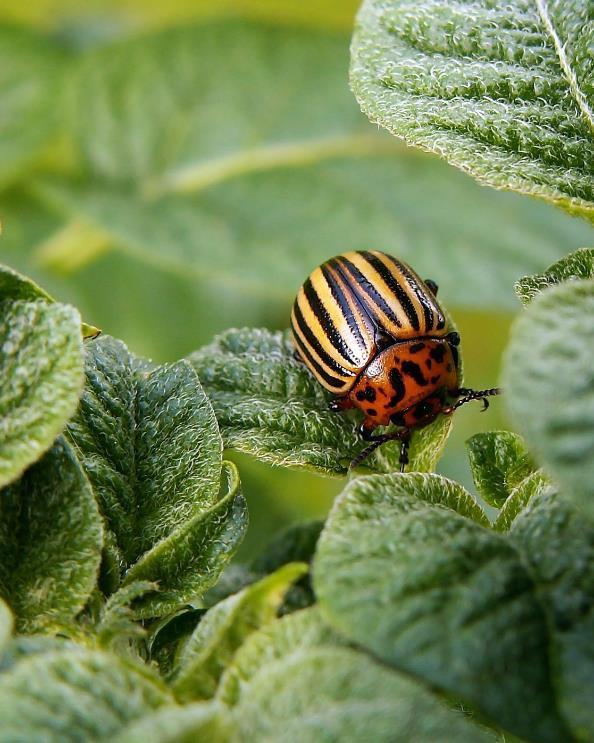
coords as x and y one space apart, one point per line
296 682
400 572
548 378
41 377
577 265
50 541
14 285
150 444
519 498
6 625
189 561
225 627
179 158
204 722
558 547
30 85
501 91
269 405
24 646
75 695
272 644
499 462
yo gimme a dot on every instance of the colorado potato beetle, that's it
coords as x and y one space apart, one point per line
373 333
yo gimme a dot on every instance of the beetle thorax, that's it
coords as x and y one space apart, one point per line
407 383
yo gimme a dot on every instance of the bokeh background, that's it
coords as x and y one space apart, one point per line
177 168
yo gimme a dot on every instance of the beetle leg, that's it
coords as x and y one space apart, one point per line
470 395
432 286
402 434
404 451
297 356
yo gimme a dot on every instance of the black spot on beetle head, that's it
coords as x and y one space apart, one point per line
398 387
371 411
370 394
438 354
413 370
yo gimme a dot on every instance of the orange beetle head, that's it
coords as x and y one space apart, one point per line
407 384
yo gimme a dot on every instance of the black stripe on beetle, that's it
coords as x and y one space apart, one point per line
420 293
403 298
366 286
323 317
341 301
313 364
314 342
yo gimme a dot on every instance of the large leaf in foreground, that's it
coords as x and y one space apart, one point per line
297 681
75 695
403 571
207 722
270 406
502 91
50 541
558 548
549 379
210 180
41 377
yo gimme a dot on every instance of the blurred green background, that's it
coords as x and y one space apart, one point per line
174 169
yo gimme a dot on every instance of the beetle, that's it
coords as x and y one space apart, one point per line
373 334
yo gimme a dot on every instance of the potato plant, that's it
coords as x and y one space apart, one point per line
416 611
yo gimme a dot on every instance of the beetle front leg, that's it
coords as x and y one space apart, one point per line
402 435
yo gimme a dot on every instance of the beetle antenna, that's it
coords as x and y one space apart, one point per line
470 395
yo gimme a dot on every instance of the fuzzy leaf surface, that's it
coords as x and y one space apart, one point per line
499 462
270 406
149 442
187 562
519 498
576 265
558 547
50 541
550 389
175 158
502 91
41 377
298 681
75 695
225 627
206 722
401 571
